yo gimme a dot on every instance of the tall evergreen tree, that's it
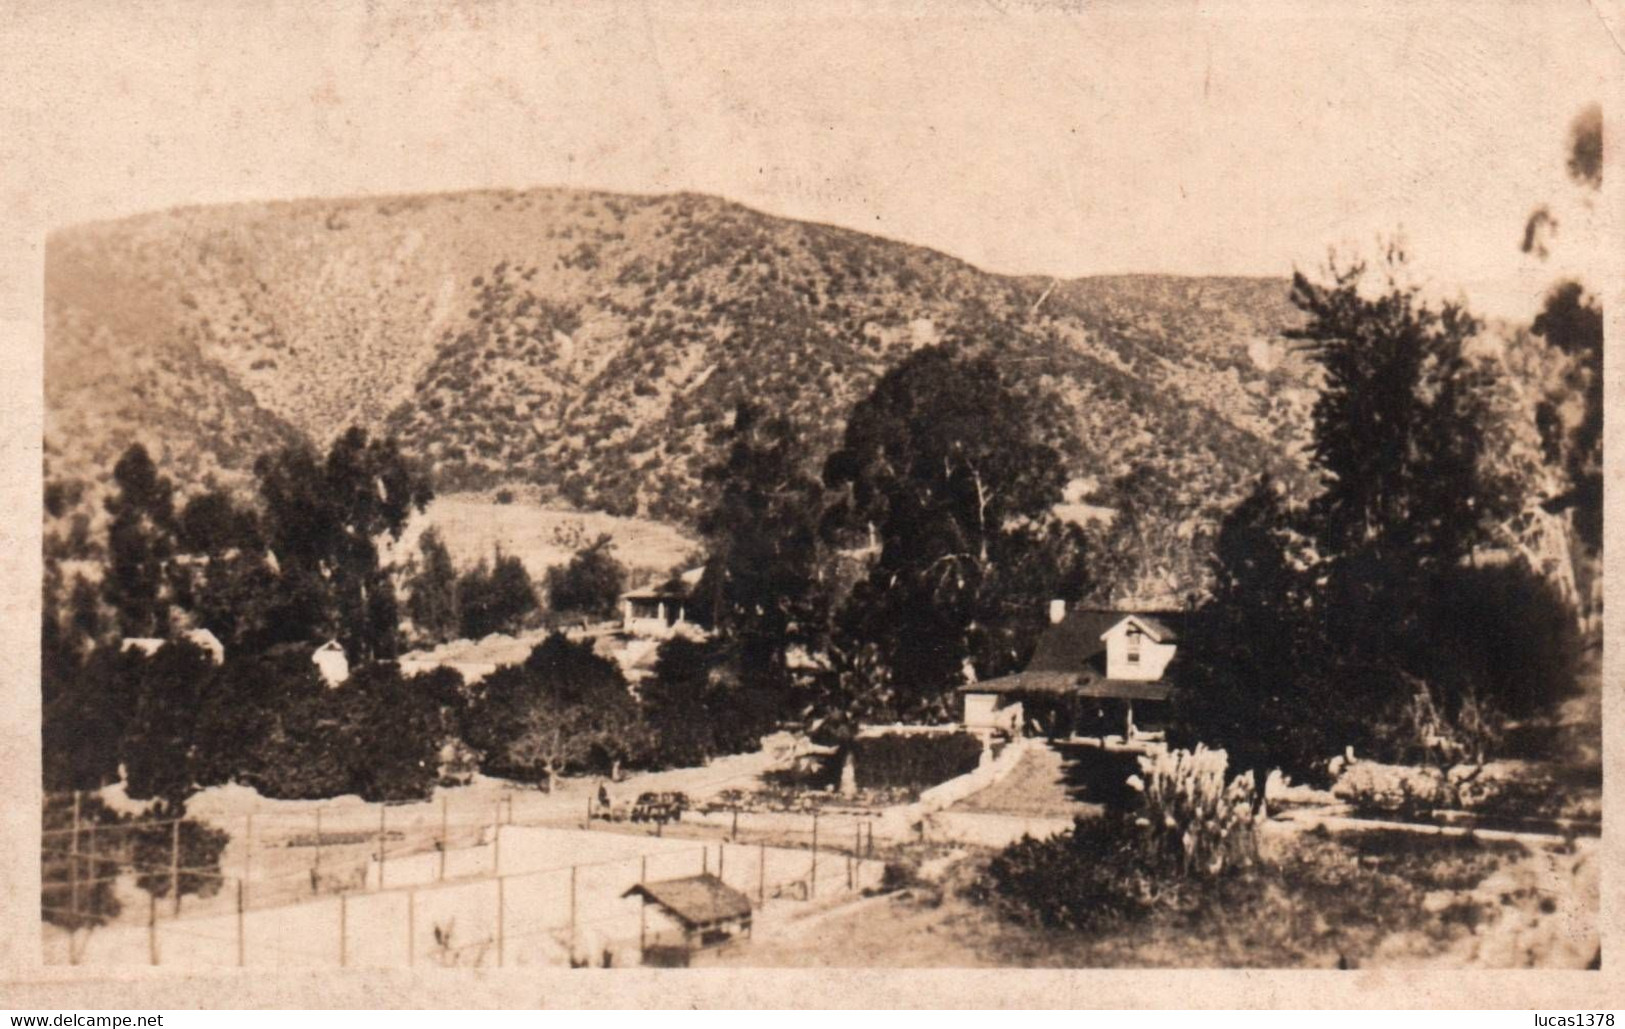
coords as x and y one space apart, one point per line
432 591
761 589
948 468
495 597
323 519
140 542
1396 428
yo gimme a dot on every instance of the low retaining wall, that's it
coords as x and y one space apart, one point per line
908 820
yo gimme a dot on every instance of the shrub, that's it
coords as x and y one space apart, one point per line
1188 831
496 597
1189 819
1086 877
591 583
914 760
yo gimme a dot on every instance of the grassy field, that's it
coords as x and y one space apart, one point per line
1374 899
474 526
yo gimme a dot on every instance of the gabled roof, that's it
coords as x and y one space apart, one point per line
1068 645
1071 658
697 901
1155 626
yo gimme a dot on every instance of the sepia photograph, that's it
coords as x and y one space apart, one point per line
1010 486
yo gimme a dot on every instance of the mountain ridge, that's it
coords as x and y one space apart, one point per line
588 344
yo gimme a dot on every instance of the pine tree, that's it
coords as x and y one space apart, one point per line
761 587
140 542
432 591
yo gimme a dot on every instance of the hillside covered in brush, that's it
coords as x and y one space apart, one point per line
587 345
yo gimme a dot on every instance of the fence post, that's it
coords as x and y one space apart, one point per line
812 880
316 872
444 842
94 878
248 846
496 849
239 923
500 935
705 859
344 943
722 861
572 911
175 863
734 834
643 869
411 927
152 927
73 864
383 845
761 874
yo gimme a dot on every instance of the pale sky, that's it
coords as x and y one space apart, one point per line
1084 138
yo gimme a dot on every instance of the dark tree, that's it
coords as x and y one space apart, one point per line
86 702
323 520
78 871
432 591
553 713
1253 668
163 831
495 597
761 589
1572 322
1397 427
696 706
140 542
391 729
946 467
213 523
160 744
591 583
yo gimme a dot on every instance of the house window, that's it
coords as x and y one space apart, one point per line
1134 646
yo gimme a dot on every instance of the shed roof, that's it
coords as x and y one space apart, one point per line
696 901
1026 682
1124 689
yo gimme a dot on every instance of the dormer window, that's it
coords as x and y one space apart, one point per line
1133 656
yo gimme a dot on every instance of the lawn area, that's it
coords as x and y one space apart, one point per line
1373 899
1057 780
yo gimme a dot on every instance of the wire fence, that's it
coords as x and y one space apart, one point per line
511 882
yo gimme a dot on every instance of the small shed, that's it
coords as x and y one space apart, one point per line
694 913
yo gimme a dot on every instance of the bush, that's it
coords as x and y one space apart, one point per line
1188 831
495 598
1189 820
1081 879
591 583
697 707
914 760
